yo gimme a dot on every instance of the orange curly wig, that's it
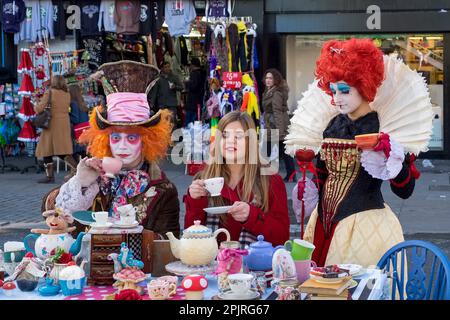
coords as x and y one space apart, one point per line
155 139
358 62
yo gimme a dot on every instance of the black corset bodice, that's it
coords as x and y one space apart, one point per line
348 188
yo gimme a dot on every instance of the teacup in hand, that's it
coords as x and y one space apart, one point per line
214 186
111 166
367 141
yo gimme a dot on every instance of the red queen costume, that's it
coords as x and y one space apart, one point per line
350 222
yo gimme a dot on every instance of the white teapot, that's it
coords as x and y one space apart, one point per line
198 245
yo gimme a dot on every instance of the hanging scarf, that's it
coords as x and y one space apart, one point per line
124 186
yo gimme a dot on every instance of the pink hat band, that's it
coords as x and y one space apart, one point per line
127 107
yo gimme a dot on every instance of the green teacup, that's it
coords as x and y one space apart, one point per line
14 256
300 249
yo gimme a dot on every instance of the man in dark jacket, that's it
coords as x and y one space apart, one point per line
196 90
164 94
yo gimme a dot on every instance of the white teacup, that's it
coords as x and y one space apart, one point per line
127 219
240 283
100 217
214 186
127 210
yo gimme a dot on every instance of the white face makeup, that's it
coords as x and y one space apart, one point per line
126 147
346 99
233 143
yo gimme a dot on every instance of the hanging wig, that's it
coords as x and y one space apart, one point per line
155 139
358 62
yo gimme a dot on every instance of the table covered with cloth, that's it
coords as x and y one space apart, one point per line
372 285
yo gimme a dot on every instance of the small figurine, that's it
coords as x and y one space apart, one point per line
126 258
128 278
194 286
58 222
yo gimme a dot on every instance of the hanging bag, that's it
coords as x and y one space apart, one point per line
42 120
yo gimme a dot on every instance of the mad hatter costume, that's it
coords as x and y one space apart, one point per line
126 130
371 93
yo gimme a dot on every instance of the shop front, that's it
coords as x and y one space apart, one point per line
301 31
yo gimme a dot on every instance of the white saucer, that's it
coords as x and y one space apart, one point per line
217 210
352 268
230 295
125 226
107 225
325 280
180 269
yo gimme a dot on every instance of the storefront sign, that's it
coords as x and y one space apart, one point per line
232 80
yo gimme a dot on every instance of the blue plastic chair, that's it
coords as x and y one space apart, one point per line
422 284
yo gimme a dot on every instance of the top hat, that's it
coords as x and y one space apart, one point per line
127 105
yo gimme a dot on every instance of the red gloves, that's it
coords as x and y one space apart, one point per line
383 144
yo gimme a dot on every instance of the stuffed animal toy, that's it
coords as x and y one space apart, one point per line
40 72
252 55
250 101
219 46
227 102
242 47
58 221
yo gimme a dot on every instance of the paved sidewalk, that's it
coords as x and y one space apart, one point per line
426 212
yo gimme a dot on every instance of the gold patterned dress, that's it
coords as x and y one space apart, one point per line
352 223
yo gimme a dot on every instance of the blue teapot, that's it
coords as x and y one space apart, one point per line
260 254
45 243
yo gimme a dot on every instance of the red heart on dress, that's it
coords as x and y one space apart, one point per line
304 155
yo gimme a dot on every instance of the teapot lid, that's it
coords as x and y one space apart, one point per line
260 243
197 230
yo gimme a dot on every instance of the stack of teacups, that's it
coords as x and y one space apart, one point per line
301 252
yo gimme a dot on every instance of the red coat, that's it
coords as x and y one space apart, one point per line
273 225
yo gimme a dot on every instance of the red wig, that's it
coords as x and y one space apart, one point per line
356 61
155 139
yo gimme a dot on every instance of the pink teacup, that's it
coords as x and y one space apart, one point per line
111 166
303 268
170 279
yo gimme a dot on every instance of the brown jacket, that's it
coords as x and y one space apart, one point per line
274 102
57 139
163 209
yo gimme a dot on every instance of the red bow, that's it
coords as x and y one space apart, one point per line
383 144
304 160
412 167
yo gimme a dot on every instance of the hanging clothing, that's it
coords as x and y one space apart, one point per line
90 12
46 8
106 16
218 8
127 16
232 44
152 17
60 17
13 13
31 24
96 50
184 53
179 14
